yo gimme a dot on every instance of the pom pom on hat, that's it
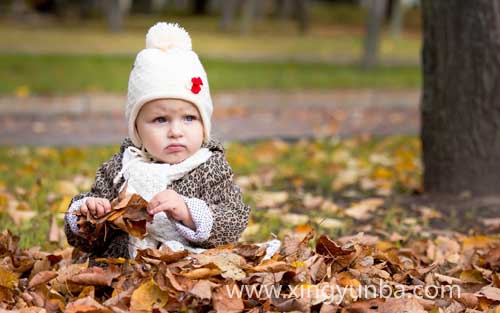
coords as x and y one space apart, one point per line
166 36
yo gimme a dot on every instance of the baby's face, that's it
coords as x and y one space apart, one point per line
170 129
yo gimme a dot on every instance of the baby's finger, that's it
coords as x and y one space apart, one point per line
160 208
107 206
91 205
99 209
152 205
84 209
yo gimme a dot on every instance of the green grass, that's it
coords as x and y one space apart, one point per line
32 175
66 74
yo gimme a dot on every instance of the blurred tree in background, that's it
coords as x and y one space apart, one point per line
313 31
246 11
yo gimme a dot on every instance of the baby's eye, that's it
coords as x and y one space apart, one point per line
160 120
190 118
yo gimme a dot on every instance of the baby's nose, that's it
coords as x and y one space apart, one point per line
175 129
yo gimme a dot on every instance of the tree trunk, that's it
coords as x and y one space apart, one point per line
396 18
461 90
200 7
141 6
284 8
227 14
115 17
302 15
376 10
247 16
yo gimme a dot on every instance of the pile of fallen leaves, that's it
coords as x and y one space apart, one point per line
128 213
328 276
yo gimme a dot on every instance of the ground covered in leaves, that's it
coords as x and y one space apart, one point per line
359 192
357 274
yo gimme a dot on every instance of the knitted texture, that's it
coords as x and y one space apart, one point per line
167 68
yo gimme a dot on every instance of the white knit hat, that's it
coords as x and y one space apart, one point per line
167 68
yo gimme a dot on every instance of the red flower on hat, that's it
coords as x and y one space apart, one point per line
196 85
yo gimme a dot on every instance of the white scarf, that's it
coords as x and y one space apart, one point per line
147 178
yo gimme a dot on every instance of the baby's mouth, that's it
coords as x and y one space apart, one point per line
175 147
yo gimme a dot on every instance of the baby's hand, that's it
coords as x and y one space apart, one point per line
97 207
173 205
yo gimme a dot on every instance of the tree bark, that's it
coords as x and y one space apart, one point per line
460 107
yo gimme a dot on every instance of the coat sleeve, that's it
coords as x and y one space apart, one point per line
223 197
102 188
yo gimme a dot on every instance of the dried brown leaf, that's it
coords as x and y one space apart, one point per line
203 289
202 273
328 248
86 305
272 266
54 232
95 276
229 263
223 302
42 278
401 305
492 258
491 293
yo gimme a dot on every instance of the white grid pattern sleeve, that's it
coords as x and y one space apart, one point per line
72 218
202 218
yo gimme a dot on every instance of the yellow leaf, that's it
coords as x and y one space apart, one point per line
240 160
66 188
7 279
478 242
382 173
298 264
472 276
147 296
363 209
495 310
22 91
64 204
345 279
4 201
384 245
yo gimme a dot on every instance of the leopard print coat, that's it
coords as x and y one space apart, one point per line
212 182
